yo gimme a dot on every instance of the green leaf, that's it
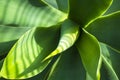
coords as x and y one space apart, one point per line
68 66
10 33
29 13
89 50
69 34
5 47
8 36
109 63
107 29
25 57
83 11
115 6
58 4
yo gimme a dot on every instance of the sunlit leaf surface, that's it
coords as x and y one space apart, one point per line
69 34
26 55
28 13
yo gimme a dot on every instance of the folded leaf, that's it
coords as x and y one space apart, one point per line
108 64
29 13
26 55
89 50
69 34
68 66
83 11
107 29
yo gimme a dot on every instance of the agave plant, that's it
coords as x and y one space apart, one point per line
60 39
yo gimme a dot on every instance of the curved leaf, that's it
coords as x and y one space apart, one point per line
107 29
58 4
83 11
8 36
29 13
9 33
89 50
26 55
5 47
69 34
115 6
68 66
108 63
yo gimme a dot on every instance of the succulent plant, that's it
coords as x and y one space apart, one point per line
60 39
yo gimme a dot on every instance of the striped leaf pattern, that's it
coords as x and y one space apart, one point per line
24 59
69 34
8 36
28 13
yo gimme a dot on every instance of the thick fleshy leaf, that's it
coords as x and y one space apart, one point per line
58 4
69 34
109 61
107 30
9 33
44 74
89 50
5 47
68 66
115 6
29 13
83 11
8 36
26 55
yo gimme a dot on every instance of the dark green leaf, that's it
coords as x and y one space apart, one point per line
89 50
107 29
109 62
83 11
25 57
115 6
5 47
68 67
58 4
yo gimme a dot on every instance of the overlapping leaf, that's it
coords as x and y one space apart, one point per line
69 34
107 30
82 11
28 13
58 4
109 60
89 50
68 66
8 36
115 6
26 55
